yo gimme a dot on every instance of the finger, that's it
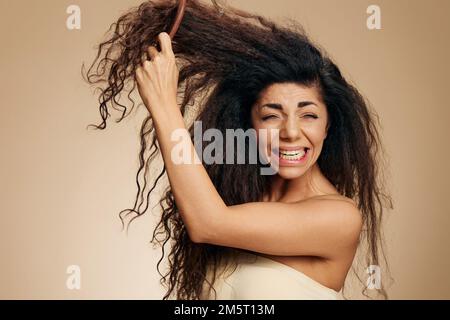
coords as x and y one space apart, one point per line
165 43
152 52
138 76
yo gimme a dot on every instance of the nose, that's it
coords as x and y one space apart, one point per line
290 129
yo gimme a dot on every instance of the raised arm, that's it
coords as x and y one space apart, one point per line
312 227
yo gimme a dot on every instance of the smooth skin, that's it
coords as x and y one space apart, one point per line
304 223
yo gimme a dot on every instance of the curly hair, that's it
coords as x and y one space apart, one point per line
227 57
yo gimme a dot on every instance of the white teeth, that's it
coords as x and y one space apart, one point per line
292 154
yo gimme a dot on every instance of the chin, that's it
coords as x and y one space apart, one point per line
289 173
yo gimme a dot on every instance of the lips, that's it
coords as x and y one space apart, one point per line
293 155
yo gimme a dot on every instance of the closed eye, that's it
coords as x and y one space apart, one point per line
312 116
269 117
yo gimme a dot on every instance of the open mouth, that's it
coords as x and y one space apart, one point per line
293 155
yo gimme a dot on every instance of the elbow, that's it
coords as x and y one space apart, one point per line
196 237
205 229
197 232
204 232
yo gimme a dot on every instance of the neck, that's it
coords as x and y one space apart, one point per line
303 187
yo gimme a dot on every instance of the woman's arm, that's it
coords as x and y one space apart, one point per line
313 227
195 195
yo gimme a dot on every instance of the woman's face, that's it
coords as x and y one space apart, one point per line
301 118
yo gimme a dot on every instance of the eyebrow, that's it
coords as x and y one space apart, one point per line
278 106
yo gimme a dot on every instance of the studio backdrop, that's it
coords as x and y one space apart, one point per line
63 185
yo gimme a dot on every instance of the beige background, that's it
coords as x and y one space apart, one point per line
62 186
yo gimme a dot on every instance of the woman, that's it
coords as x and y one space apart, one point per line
292 235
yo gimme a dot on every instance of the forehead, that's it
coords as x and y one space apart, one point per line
289 94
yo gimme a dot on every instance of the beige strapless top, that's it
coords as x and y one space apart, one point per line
260 278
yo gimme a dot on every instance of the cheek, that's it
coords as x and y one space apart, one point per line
316 133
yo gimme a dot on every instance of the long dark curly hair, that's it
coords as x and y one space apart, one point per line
226 58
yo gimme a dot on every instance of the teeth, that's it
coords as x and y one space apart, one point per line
292 154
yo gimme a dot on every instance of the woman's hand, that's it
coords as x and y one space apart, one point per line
158 79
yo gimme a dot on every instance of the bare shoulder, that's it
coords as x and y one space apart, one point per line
333 197
344 204
344 211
